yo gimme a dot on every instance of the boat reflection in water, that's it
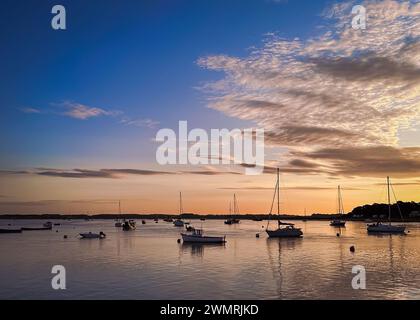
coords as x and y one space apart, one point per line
197 249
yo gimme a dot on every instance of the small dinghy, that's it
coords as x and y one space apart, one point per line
198 237
190 228
90 235
10 230
48 224
129 225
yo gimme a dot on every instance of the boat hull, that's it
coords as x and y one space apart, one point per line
337 223
91 236
285 233
178 223
36 229
201 239
384 228
10 230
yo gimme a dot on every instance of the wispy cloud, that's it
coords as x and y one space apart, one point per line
83 112
109 173
149 123
30 110
344 89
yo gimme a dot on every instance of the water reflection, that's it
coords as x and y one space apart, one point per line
149 263
197 249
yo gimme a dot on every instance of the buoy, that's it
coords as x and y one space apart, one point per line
65 236
338 234
352 249
56 230
257 235
179 240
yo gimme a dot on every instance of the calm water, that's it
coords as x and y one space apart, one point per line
148 263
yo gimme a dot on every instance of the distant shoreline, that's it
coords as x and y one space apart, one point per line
316 217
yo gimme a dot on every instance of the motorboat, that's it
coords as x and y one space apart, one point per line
198 237
90 235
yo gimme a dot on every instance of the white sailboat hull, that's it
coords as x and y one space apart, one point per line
285 233
201 238
385 228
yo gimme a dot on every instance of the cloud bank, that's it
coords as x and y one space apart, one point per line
336 101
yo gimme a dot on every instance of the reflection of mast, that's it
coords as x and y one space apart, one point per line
181 209
277 275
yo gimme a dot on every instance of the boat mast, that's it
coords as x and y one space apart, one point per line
389 202
180 204
339 201
278 196
119 210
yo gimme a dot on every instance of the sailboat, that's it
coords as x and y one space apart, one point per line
304 216
118 223
178 222
339 222
284 230
386 228
232 220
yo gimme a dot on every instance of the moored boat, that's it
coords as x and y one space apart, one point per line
379 227
198 237
284 230
36 228
48 224
10 230
178 222
118 223
129 225
232 220
339 222
90 235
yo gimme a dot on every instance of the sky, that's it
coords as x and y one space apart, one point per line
81 107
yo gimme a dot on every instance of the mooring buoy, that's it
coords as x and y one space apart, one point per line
178 240
352 249
257 235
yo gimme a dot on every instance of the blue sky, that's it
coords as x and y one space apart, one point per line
80 108
138 57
